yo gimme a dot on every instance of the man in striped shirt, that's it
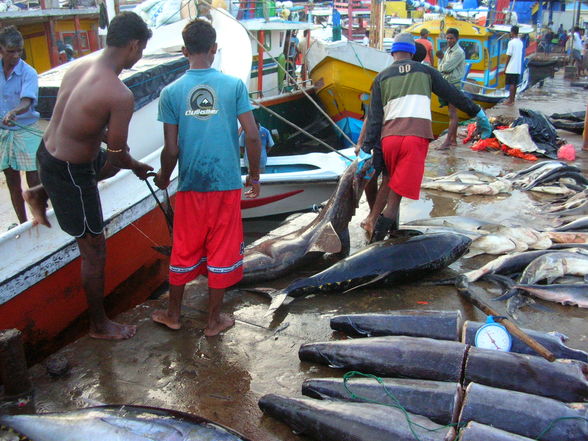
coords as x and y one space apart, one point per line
399 126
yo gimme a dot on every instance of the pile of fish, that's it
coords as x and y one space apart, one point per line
572 121
469 182
448 386
114 423
487 238
552 177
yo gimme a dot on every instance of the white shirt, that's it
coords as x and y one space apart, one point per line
577 41
515 50
365 41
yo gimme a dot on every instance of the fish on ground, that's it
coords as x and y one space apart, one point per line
495 244
524 414
385 262
458 222
474 431
440 325
481 188
342 421
396 356
509 264
544 165
550 266
566 294
439 401
117 423
553 341
564 380
580 224
327 233
568 237
442 360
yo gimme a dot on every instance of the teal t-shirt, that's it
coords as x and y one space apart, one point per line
205 104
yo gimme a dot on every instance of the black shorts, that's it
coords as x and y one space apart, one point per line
73 191
512 79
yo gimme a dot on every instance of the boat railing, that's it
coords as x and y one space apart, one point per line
480 89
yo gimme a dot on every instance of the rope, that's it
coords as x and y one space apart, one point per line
29 129
396 405
280 117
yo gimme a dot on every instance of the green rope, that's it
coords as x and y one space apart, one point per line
29 129
396 405
550 426
412 424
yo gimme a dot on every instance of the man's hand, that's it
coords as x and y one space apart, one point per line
255 187
142 170
161 181
9 117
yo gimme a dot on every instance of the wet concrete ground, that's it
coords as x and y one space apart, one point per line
222 378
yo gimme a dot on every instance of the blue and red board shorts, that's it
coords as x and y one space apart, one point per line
405 162
208 238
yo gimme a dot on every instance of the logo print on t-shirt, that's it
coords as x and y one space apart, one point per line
202 102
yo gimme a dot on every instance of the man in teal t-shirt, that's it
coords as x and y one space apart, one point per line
199 112
267 142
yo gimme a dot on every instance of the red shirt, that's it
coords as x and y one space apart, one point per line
429 46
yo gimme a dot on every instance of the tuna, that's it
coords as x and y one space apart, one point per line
115 423
438 400
440 325
554 342
341 421
410 357
386 262
563 380
481 432
524 414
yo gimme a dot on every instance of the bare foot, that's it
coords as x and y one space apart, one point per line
444 146
509 103
112 331
225 321
162 316
38 207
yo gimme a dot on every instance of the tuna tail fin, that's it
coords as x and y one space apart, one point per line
278 299
503 282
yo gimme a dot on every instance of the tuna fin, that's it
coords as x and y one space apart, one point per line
369 282
327 240
278 300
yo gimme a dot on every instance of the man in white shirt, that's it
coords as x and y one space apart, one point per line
577 49
514 63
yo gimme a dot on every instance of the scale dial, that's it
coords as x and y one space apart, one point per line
493 336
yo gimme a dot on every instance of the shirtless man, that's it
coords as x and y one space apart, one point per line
92 106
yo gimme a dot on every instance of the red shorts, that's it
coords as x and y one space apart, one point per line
405 161
208 238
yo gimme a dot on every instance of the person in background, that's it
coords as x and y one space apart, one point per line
19 133
452 67
514 63
585 133
399 126
577 50
424 40
366 39
200 112
267 142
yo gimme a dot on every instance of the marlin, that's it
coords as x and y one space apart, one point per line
386 262
327 233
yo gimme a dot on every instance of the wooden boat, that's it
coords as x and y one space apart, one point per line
343 71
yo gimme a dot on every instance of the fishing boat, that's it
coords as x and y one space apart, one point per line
40 287
296 182
342 72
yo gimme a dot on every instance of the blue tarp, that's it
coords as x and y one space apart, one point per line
524 11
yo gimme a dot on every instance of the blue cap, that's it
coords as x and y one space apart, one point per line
403 43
